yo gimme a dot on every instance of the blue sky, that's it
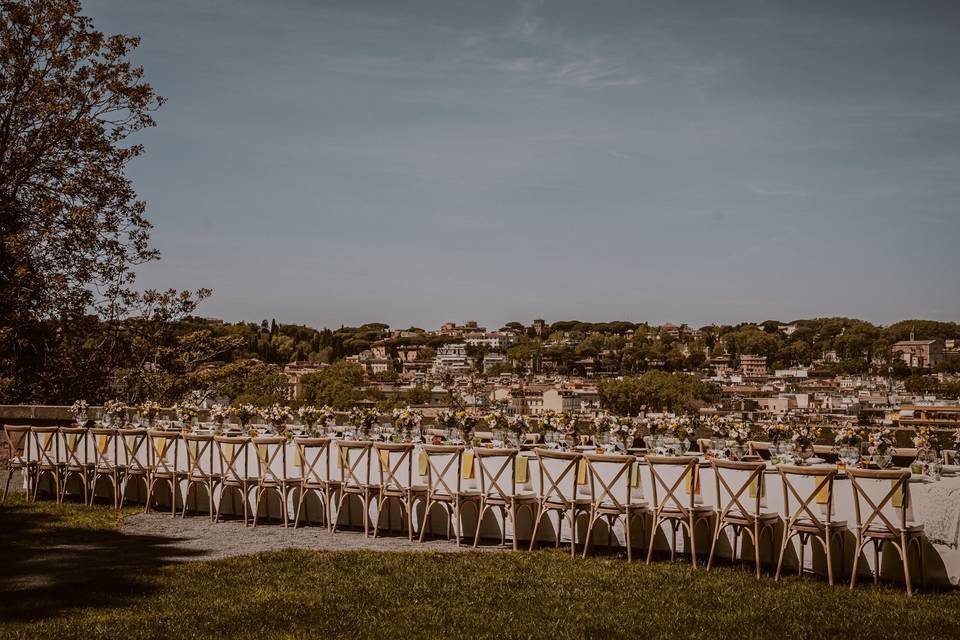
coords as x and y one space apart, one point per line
334 163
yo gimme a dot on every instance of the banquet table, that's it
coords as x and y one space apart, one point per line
935 504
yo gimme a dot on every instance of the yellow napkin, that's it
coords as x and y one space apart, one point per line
384 459
230 450
131 443
823 496
102 445
262 452
467 465
422 464
696 482
521 470
161 447
343 458
297 456
191 451
582 472
897 499
635 475
755 486
47 441
72 442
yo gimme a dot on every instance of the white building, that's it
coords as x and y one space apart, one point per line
451 358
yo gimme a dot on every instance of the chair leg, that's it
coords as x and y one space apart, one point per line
586 542
713 544
536 527
476 537
876 561
827 549
376 526
905 555
653 533
629 538
756 546
513 522
426 519
856 561
693 542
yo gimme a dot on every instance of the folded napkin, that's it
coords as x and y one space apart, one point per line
71 442
160 446
582 471
297 456
897 499
422 464
467 471
262 452
191 451
694 481
230 450
823 496
635 475
47 441
102 445
344 459
757 485
385 460
521 472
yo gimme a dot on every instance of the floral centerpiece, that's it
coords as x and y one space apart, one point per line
244 414
624 429
406 420
848 437
186 413
737 432
219 414
604 422
116 411
497 420
804 436
363 419
446 419
79 410
925 439
568 423
549 421
521 425
277 416
150 411
309 417
880 444
467 421
776 431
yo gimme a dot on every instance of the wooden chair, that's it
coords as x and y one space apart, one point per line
612 480
163 448
46 445
444 487
234 473
135 461
106 462
314 456
810 489
558 493
881 500
272 466
200 470
668 476
395 464
353 458
498 488
75 462
740 487
18 437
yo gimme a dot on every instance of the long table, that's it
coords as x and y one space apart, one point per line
935 504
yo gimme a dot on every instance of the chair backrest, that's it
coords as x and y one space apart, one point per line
354 462
703 444
234 462
135 450
46 445
804 490
199 455
106 451
497 474
558 475
73 445
739 486
881 498
610 480
271 458
18 437
395 465
314 457
443 469
903 456
673 482
759 448
164 447
949 456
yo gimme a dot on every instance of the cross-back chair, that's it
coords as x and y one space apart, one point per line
395 462
740 487
444 487
74 461
272 466
881 500
674 485
314 459
558 493
808 501
498 488
200 472
353 458
235 477
135 458
163 448
106 462
18 438
612 497
46 446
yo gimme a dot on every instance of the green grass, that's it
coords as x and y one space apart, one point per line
86 580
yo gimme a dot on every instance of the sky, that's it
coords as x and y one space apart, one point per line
331 163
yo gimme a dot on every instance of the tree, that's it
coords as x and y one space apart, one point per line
340 385
243 381
71 225
654 390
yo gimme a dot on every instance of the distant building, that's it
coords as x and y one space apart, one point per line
452 358
294 371
491 360
920 354
492 339
752 366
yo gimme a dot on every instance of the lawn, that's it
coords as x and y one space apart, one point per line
67 572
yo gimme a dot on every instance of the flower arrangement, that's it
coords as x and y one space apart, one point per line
776 431
497 419
219 414
363 418
804 435
924 438
956 439
185 411
737 431
79 409
406 420
549 421
658 427
623 428
604 422
521 425
243 414
848 437
310 416
446 419
681 427
150 411
881 441
115 410
277 416
568 423
467 421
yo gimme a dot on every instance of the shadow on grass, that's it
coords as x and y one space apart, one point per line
53 558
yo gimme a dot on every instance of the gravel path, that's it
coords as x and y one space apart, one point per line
230 538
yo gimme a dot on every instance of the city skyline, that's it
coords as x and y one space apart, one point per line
360 162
